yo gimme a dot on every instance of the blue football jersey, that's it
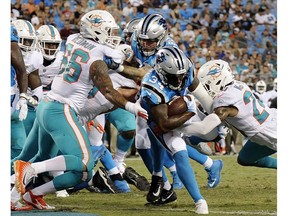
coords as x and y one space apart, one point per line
153 92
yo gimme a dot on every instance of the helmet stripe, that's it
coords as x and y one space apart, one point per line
177 56
52 30
146 23
29 26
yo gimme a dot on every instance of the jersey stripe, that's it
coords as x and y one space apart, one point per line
79 136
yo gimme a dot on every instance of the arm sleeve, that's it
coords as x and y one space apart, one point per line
202 128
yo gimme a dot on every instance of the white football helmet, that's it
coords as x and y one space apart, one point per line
275 84
99 26
261 86
215 75
151 33
172 66
27 35
49 41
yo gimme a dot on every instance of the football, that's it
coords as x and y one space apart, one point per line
177 106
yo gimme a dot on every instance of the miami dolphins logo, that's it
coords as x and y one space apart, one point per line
95 20
215 71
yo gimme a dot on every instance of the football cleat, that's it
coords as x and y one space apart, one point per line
102 181
155 189
24 173
18 206
201 207
62 193
214 173
36 201
133 177
167 196
177 183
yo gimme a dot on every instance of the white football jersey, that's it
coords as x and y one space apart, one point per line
268 96
253 116
33 60
73 83
121 81
47 73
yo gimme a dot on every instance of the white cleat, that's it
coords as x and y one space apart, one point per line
62 193
201 207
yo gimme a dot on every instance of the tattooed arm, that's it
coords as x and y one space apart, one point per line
101 79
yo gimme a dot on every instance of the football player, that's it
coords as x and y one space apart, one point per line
234 102
82 68
172 76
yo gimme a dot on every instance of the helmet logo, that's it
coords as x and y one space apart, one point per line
160 58
162 22
95 20
215 71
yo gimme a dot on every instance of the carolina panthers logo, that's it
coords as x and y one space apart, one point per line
162 22
95 20
160 58
215 71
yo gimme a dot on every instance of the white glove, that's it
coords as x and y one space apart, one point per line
127 52
136 109
191 105
223 130
22 106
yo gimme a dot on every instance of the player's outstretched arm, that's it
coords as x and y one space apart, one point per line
101 79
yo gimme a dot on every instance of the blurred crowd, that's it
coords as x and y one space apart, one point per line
242 32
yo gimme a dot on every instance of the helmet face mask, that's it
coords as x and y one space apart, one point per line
215 75
49 41
151 34
172 67
261 86
100 26
27 36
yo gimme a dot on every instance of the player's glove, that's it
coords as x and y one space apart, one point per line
112 64
22 106
136 109
223 130
191 106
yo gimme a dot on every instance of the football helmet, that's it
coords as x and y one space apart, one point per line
130 27
100 26
172 66
151 33
27 35
215 75
49 41
261 86
275 84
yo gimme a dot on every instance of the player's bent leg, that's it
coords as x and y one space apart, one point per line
253 154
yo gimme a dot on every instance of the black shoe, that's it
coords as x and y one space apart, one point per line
167 196
132 177
93 189
155 189
102 181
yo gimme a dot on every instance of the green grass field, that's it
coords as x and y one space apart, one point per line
242 191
